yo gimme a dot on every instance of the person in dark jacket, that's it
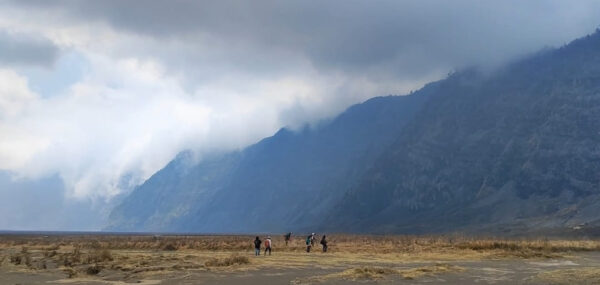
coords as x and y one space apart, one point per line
257 243
324 243
288 237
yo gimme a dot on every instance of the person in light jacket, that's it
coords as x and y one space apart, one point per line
268 244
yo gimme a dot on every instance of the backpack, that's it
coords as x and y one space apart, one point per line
268 243
308 240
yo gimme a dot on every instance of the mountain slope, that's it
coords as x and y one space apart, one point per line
514 150
285 181
174 191
518 149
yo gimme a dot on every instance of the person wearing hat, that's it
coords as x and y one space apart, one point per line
268 245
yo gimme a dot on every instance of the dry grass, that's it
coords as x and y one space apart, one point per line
353 256
338 243
93 270
369 273
591 275
99 255
365 273
227 261
439 268
378 273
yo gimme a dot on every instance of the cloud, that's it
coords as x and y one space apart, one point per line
41 205
409 38
127 85
22 49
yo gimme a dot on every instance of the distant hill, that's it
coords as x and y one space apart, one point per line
514 150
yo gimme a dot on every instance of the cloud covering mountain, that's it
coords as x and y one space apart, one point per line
103 94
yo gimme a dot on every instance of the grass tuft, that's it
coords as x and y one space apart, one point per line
99 255
93 270
227 261
369 273
591 275
169 247
439 268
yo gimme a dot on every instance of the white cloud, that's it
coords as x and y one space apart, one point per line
124 116
16 145
129 116
14 93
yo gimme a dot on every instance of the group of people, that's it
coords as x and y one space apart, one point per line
311 239
258 242
310 242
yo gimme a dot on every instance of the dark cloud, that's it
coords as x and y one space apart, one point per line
19 49
378 38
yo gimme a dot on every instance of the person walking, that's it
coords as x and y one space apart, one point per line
257 243
288 238
308 243
324 243
313 239
268 245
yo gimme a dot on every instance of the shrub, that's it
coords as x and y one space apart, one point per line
49 253
70 272
169 247
99 255
93 270
15 259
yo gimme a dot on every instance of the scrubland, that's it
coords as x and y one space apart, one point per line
145 258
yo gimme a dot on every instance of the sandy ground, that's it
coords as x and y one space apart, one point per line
318 268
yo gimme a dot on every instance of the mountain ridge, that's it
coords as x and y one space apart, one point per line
319 157
514 150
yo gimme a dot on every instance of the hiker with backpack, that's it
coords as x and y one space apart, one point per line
288 238
268 245
308 243
313 239
257 243
324 243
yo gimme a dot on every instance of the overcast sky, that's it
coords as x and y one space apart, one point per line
95 91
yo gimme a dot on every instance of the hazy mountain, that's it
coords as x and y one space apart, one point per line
33 204
513 149
285 181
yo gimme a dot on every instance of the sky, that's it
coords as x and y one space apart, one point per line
96 96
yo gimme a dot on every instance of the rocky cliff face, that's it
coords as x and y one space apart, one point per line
517 149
